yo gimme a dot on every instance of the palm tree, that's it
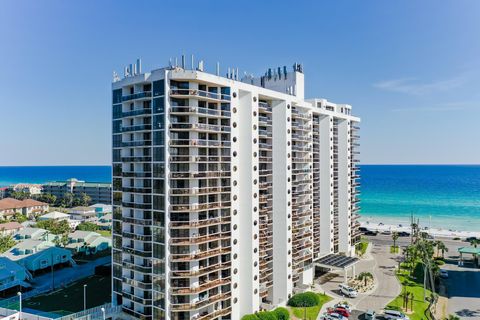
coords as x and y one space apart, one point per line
452 317
394 238
365 276
442 248
474 242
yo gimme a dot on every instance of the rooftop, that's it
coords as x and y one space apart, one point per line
10 203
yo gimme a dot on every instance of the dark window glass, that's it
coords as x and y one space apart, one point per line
158 122
117 184
159 202
159 105
116 155
117 169
117 96
159 218
159 138
159 235
158 88
117 140
175 102
158 154
117 126
158 186
179 84
159 170
225 90
117 111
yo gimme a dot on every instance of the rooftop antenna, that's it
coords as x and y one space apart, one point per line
200 65
236 75
176 62
170 62
193 68
218 68
228 72
183 61
139 65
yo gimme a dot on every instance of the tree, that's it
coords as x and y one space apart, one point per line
6 242
55 227
19 195
87 226
442 248
394 238
67 200
48 198
452 317
85 199
475 242
365 276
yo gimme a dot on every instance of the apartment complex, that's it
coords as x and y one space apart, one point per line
98 192
226 190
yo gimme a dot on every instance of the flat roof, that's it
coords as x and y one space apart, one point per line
337 261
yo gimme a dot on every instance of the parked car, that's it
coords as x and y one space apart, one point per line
386 232
395 315
348 291
443 273
342 311
469 239
370 315
345 306
335 316
370 233
403 234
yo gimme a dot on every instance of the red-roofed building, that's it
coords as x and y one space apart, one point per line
27 207
9 228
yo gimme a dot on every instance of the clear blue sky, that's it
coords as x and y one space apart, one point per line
410 69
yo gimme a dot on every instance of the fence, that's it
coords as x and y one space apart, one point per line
95 313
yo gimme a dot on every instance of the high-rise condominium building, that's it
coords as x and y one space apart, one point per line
225 190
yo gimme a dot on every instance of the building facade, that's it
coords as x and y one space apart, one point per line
226 191
98 192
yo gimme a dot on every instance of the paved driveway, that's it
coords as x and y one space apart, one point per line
382 264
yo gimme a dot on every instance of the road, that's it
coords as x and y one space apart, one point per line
463 284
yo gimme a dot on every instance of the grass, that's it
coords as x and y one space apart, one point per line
70 299
415 286
105 233
312 312
394 249
361 247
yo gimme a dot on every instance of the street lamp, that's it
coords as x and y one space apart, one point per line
20 309
103 313
84 297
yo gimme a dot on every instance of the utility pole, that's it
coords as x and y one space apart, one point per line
53 276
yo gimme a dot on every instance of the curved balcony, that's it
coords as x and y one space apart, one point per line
199 255
200 94
200 288
200 303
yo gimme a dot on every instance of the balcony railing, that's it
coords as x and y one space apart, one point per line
139 95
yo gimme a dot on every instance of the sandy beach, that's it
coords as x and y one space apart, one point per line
434 232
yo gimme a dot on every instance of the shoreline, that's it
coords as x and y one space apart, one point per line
435 232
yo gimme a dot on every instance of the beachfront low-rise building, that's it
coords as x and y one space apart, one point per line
83 214
88 242
36 255
10 228
28 207
30 233
60 216
29 188
101 208
97 191
13 275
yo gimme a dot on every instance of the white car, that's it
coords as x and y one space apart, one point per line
348 291
395 315
335 316
443 273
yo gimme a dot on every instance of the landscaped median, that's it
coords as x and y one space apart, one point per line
305 305
412 287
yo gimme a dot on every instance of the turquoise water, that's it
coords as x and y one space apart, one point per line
10 175
441 196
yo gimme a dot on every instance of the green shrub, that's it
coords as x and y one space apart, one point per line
249 317
306 299
439 262
266 315
282 313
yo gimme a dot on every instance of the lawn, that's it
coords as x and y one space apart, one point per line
414 286
312 312
105 233
70 299
361 247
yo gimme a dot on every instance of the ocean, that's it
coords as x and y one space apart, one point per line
441 196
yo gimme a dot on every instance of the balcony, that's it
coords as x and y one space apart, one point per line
138 112
201 127
200 93
139 127
207 285
139 95
198 223
214 315
200 111
199 255
197 239
200 303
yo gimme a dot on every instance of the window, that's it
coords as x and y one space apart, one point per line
117 96
159 105
158 88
